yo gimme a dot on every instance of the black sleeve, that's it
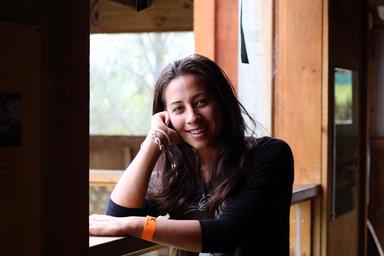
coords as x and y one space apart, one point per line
116 210
258 215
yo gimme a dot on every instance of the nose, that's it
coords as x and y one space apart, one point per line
192 115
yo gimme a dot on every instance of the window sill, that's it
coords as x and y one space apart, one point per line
116 246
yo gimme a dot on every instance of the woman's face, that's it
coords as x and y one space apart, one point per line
193 113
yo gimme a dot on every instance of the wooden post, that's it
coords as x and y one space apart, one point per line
215 23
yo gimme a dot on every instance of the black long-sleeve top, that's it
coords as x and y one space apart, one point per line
255 219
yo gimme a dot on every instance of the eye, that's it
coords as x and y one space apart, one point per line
201 102
177 109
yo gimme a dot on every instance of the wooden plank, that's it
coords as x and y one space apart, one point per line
293 231
346 42
216 33
162 15
116 246
226 41
204 27
301 228
113 152
104 177
306 227
344 231
300 101
321 205
305 192
297 101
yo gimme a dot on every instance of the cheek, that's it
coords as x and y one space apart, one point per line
176 122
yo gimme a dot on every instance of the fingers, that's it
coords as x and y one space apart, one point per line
162 121
167 119
159 120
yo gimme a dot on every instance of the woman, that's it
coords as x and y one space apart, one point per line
224 192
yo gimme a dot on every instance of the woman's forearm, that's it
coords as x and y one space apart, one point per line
183 234
132 187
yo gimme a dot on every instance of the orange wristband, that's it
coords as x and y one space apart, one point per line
149 228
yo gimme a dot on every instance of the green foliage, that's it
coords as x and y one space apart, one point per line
123 70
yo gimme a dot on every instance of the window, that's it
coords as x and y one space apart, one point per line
123 71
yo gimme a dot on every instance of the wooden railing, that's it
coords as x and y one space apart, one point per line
302 218
300 226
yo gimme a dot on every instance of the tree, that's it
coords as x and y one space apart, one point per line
123 70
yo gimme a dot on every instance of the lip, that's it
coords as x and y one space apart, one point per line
198 131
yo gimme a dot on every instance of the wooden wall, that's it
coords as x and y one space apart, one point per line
376 122
300 100
108 16
55 126
113 152
346 50
20 153
297 102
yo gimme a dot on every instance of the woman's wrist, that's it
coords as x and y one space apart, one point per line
135 226
149 143
156 138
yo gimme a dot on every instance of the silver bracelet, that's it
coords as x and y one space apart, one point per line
164 133
158 141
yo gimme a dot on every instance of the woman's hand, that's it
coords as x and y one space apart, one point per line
161 121
104 225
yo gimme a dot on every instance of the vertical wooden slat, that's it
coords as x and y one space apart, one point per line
322 205
215 24
226 42
306 227
204 27
301 228
300 97
293 231
298 84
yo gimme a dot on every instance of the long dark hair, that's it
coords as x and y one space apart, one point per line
179 167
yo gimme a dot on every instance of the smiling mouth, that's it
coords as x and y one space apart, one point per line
197 131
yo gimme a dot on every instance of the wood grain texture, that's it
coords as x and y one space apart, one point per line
204 24
322 205
297 100
344 235
216 33
113 152
226 50
346 36
163 15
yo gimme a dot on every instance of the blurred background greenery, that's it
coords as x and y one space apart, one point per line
123 70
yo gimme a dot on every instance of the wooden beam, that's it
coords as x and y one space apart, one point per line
204 28
297 101
216 33
163 15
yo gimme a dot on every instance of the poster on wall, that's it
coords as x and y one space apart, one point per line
10 123
345 147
